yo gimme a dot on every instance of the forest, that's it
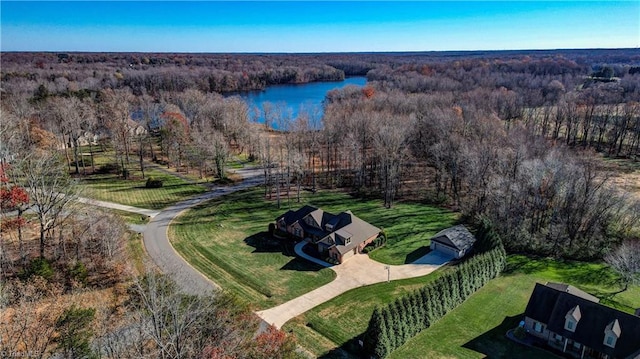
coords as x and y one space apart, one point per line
530 141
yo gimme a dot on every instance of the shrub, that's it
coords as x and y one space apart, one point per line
78 272
38 267
153 183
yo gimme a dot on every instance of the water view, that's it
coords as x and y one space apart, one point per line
295 97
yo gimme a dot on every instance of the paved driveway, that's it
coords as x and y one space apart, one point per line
355 272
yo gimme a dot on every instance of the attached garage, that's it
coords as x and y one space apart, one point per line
455 241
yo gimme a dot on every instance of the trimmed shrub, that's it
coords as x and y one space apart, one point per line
408 315
153 183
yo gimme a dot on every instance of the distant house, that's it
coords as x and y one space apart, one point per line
455 241
337 236
573 322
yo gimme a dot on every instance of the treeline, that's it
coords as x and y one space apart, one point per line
507 135
396 323
482 148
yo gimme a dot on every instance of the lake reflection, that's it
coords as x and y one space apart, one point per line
288 100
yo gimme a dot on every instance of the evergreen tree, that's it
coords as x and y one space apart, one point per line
425 303
418 311
376 339
74 328
452 283
403 332
392 326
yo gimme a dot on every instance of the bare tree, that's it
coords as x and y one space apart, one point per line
626 261
115 115
50 188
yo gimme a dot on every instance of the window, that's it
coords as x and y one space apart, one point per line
558 337
610 341
570 324
537 327
577 345
347 241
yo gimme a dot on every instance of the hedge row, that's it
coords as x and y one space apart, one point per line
393 325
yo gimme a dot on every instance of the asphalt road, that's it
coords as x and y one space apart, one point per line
156 240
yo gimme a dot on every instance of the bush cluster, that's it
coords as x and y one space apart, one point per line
153 183
394 324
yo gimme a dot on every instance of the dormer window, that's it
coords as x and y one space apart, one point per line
612 333
572 318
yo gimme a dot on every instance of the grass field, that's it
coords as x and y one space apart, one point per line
111 187
409 226
474 329
221 239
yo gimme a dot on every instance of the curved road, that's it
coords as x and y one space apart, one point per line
357 271
156 239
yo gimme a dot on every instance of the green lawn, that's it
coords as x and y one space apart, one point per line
132 192
409 226
222 239
474 329
219 238
131 218
339 321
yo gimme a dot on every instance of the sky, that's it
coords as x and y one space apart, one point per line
307 26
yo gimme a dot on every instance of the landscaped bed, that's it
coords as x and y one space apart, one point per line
476 328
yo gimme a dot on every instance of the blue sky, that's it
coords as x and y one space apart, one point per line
202 26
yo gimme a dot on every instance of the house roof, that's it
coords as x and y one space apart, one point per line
345 226
290 217
550 305
457 237
572 290
354 228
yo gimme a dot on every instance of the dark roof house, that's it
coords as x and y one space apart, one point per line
338 236
570 320
456 241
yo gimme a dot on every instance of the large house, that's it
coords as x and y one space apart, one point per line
337 236
573 322
456 241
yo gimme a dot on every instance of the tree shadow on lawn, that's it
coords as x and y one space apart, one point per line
348 350
262 242
301 265
570 272
495 344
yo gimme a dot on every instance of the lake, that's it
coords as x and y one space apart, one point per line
296 96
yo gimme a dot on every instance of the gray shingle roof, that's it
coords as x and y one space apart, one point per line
345 226
457 237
